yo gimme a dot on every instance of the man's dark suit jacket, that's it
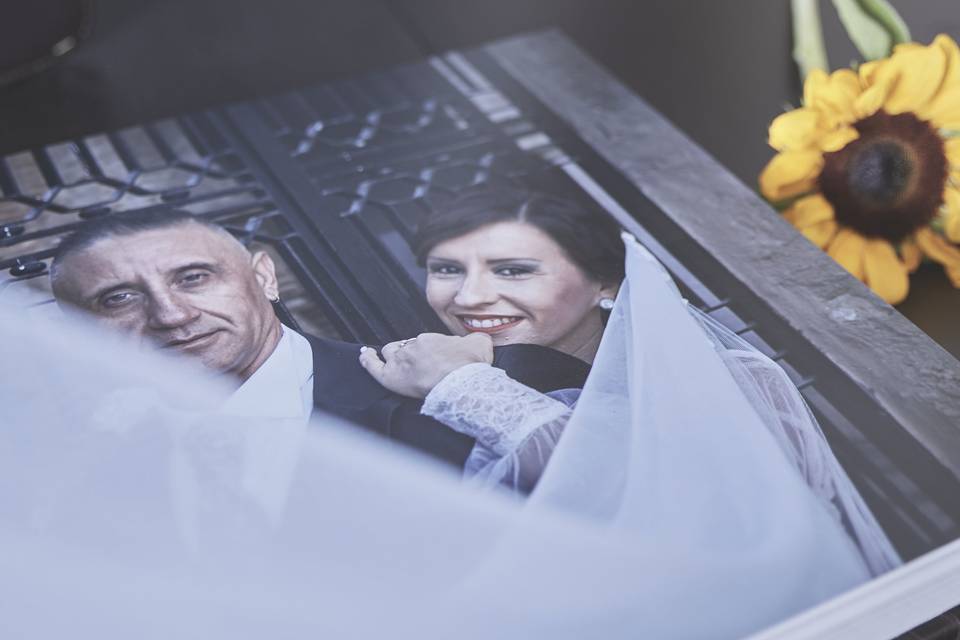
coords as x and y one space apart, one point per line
342 387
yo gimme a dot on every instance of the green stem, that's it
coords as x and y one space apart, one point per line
874 26
884 13
809 51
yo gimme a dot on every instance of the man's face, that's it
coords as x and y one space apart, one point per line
186 288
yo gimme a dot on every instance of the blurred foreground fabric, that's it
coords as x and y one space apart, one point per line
123 509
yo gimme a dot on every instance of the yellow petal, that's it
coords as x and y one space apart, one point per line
838 139
884 272
953 273
951 216
945 105
944 110
847 249
845 80
809 210
952 52
915 75
795 129
952 55
868 72
910 254
815 81
952 148
833 95
907 46
820 233
952 228
870 101
937 248
790 173
951 199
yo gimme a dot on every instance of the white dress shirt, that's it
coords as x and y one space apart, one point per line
279 395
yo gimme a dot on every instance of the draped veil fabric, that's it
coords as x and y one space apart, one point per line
669 508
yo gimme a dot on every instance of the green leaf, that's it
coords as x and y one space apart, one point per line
874 26
808 50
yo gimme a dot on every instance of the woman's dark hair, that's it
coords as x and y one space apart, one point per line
589 235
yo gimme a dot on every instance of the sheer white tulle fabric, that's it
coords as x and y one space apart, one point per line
517 427
788 418
667 510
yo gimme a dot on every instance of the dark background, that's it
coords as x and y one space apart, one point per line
720 70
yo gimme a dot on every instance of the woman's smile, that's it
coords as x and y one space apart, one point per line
513 282
488 323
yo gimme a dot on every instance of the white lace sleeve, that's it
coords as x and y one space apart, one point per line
516 427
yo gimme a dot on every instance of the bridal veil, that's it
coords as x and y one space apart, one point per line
670 507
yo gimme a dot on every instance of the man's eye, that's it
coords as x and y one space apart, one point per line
117 299
194 278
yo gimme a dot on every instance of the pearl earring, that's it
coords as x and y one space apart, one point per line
606 304
274 299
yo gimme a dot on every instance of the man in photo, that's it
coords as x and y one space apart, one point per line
187 285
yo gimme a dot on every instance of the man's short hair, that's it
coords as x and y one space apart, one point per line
124 224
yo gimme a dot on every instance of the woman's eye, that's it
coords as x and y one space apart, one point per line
512 272
444 269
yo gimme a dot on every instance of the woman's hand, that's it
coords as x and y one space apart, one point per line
414 367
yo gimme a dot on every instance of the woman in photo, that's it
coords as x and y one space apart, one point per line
523 268
508 267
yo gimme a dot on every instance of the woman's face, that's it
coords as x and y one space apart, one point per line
514 282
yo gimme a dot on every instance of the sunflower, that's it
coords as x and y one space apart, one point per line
868 168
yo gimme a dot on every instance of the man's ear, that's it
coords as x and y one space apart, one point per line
266 274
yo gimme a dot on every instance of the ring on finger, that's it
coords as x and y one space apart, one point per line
404 343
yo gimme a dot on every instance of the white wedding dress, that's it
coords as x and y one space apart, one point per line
668 509
517 428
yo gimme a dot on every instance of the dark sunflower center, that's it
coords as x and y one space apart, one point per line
889 182
880 172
